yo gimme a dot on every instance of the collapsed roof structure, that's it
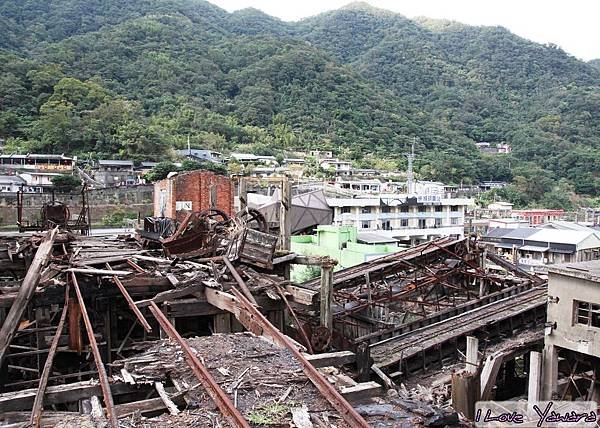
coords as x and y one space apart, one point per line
152 324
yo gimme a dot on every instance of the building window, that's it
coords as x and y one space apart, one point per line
454 208
386 225
385 209
438 208
454 221
346 210
422 223
587 314
365 224
438 222
404 222
422 209
366 210
404 209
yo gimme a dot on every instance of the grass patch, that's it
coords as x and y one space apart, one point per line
269 414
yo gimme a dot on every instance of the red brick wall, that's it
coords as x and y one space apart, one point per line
195 187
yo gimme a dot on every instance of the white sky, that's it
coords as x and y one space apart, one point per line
574 25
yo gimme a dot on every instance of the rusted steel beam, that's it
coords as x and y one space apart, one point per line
233 416
135 266
240 281
338 402
108 399
298 325
38 402
130 301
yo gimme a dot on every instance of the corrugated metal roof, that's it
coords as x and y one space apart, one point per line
498 232
565 225
521 233
560 236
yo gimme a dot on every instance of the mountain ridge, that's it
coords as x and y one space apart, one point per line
358 79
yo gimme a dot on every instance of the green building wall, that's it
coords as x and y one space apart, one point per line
337 242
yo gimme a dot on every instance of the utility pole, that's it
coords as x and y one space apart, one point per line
410 178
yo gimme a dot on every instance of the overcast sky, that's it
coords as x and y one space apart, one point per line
574 25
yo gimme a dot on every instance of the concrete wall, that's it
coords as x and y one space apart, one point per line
339 243
568 334
132 200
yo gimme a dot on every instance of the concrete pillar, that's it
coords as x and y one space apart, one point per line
535 378
326 295
472 353
242 194
550 371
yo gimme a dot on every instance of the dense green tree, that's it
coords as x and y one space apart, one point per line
137 78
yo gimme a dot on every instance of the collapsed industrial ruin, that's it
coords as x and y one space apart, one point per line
192 321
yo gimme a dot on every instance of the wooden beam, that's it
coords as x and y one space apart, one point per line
92 271
389 383
361 391
335 359
326 316
222 300
108 399
165 398
300 295
26 291
285 215
58 394
38 402
170 295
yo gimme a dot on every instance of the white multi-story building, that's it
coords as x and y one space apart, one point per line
340 167
411 219
37 170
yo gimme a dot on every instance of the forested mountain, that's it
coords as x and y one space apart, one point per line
136 77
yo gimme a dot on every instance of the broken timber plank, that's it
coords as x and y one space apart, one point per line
335 359
171 294
92 271
361 391
25 293
58 394
38 402
108 399
165 398
385 378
